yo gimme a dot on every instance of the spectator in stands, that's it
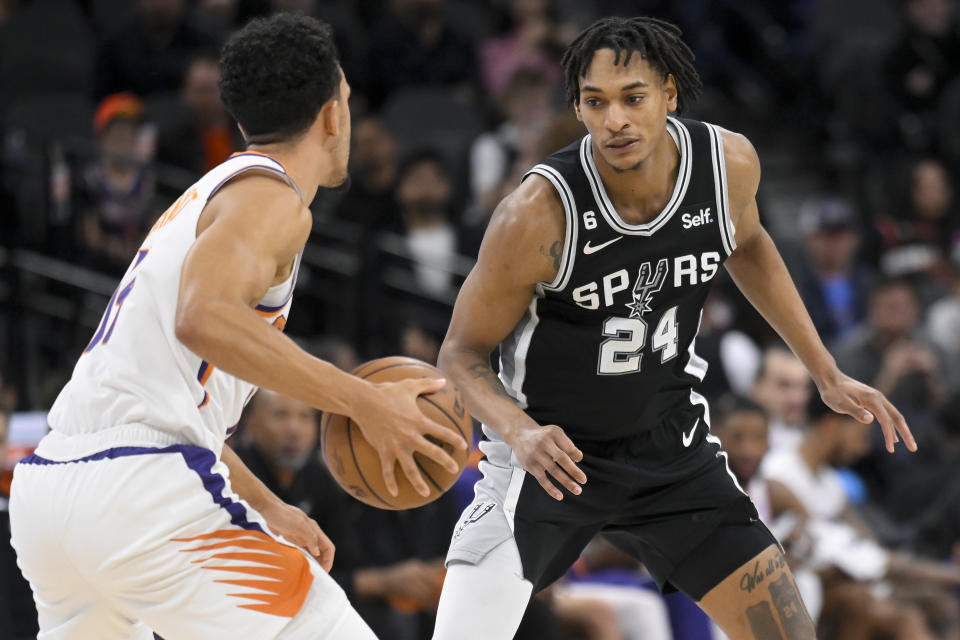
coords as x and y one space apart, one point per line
840 538
527 104
150 53
833 284
115 199
414 45
373 175
936 521
431 239
783 389
919 65
917 240
532 39
891 352
201 135
943 324
733 358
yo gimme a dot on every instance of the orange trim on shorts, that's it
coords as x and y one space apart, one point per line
282 572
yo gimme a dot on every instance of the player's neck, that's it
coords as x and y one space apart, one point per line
302 166
639 194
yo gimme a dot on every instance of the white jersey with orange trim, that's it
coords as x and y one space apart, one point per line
136 384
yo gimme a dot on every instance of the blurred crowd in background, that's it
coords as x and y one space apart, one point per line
109 109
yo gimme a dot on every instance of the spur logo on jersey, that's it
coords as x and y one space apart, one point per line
647 284
690 270
479 510
690 220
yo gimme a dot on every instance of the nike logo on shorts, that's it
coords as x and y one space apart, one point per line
588 248
688 437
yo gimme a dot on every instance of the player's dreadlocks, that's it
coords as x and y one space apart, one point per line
658 42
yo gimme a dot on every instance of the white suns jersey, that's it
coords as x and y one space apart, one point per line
137 385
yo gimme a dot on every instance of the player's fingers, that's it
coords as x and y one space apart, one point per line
900 426
327 551
438 455
874 402
563 459
564 478
314 543
440 432
388 472
547 485
424 386
563 441
413 474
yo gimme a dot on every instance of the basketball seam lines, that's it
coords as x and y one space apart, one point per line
356 464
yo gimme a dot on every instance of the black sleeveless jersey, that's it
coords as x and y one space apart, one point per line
606 350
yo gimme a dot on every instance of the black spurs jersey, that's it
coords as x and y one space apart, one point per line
607 349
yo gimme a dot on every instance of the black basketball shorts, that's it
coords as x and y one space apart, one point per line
665 497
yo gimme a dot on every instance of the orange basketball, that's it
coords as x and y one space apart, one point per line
354 462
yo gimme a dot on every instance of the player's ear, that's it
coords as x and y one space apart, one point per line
670 89
576 108
330 117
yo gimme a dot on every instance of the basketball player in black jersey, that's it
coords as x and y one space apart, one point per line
591 279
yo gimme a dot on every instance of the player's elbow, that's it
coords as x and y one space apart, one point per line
189 327
445 357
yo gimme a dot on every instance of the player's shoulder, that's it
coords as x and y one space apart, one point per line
532 209
742 163
262 197
528 224
739 152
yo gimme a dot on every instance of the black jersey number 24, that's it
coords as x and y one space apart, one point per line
622 351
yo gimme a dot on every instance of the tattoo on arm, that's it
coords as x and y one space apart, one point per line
482 371
762 624
555 251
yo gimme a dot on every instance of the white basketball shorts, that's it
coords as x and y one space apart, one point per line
134 539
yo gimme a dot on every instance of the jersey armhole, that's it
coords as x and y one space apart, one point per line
724 219
570 233
262 169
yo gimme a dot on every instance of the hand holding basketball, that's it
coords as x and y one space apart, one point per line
414 419
397 428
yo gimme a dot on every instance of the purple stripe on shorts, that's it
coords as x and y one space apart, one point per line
198 459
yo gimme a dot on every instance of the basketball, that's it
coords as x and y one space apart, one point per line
354 462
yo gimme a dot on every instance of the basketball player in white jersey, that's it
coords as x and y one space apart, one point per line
133 514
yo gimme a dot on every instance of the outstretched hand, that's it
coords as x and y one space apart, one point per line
864 403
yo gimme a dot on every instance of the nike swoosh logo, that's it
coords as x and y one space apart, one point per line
688 437
588 248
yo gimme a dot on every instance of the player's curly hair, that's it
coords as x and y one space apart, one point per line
657 41
276 73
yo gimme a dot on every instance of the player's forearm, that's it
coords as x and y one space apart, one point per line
906 567
485 395
759 272
244 483
237 341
